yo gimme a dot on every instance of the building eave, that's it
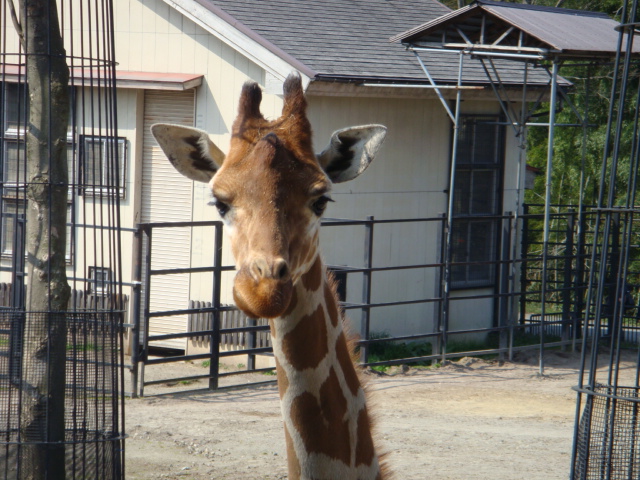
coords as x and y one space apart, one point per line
86 77
241 38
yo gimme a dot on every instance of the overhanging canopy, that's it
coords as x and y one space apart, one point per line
494 26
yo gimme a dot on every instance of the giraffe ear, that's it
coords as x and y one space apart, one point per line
189 150
350 151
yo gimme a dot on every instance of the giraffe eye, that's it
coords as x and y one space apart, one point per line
222 207
320 205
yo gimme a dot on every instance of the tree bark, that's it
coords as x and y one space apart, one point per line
43 427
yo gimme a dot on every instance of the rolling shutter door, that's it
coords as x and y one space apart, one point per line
167 197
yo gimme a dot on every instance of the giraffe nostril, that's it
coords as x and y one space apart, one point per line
262 268
281 270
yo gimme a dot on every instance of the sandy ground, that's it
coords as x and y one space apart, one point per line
470 419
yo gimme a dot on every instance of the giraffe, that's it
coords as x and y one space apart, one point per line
271 190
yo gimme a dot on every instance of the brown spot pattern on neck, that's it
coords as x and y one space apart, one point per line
283 380
364 449
313 278
332 304
307 344
321 430
346 364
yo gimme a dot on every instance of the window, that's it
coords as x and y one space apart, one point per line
14 105
477 196
14 210
102 165
99 280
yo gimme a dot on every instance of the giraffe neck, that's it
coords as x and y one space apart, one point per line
326 422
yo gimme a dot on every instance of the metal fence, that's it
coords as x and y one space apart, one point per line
513 298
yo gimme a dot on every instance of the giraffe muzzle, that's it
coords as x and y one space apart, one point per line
264 288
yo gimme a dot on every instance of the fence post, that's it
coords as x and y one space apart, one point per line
251 343
523 265
214 341
503 285
439 309
613 295
580 283
144 355
567 284
446 287
366 289
135 309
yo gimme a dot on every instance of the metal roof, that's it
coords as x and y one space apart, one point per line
559 31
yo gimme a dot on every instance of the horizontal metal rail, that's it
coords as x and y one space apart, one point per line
556 291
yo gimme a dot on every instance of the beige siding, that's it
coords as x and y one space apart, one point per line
167 197
408 179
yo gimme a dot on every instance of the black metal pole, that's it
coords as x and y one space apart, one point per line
144 354
214 341
366 289
568 275
135 309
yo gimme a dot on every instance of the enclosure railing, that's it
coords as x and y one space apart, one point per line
514 296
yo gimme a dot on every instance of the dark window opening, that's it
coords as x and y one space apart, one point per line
477 197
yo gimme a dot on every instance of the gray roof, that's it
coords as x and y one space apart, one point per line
349 39
569 33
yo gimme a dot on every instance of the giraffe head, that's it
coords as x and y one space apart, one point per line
270 189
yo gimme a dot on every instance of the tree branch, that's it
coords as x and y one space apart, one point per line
16 23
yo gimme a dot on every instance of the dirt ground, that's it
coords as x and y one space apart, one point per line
470 419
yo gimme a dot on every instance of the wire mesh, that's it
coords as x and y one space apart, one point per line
606 426
61 357
92 444
607 445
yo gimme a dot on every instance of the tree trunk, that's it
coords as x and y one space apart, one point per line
47 288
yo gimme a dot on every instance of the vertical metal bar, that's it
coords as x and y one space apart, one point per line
547 206
251 343
567 286
594 254
452 180
144 354
503 284
522 164
214 341
366 289
524 251
136 308
580 326
440 305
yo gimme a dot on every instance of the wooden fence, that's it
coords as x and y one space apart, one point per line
203 321
79 301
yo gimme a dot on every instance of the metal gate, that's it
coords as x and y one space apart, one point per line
221 329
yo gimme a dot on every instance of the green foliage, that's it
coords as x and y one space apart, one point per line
591 91
383 351
611 7
82 347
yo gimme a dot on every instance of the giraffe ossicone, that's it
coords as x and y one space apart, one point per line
271 190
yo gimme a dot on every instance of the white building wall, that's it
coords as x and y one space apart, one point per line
408 179
151 36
